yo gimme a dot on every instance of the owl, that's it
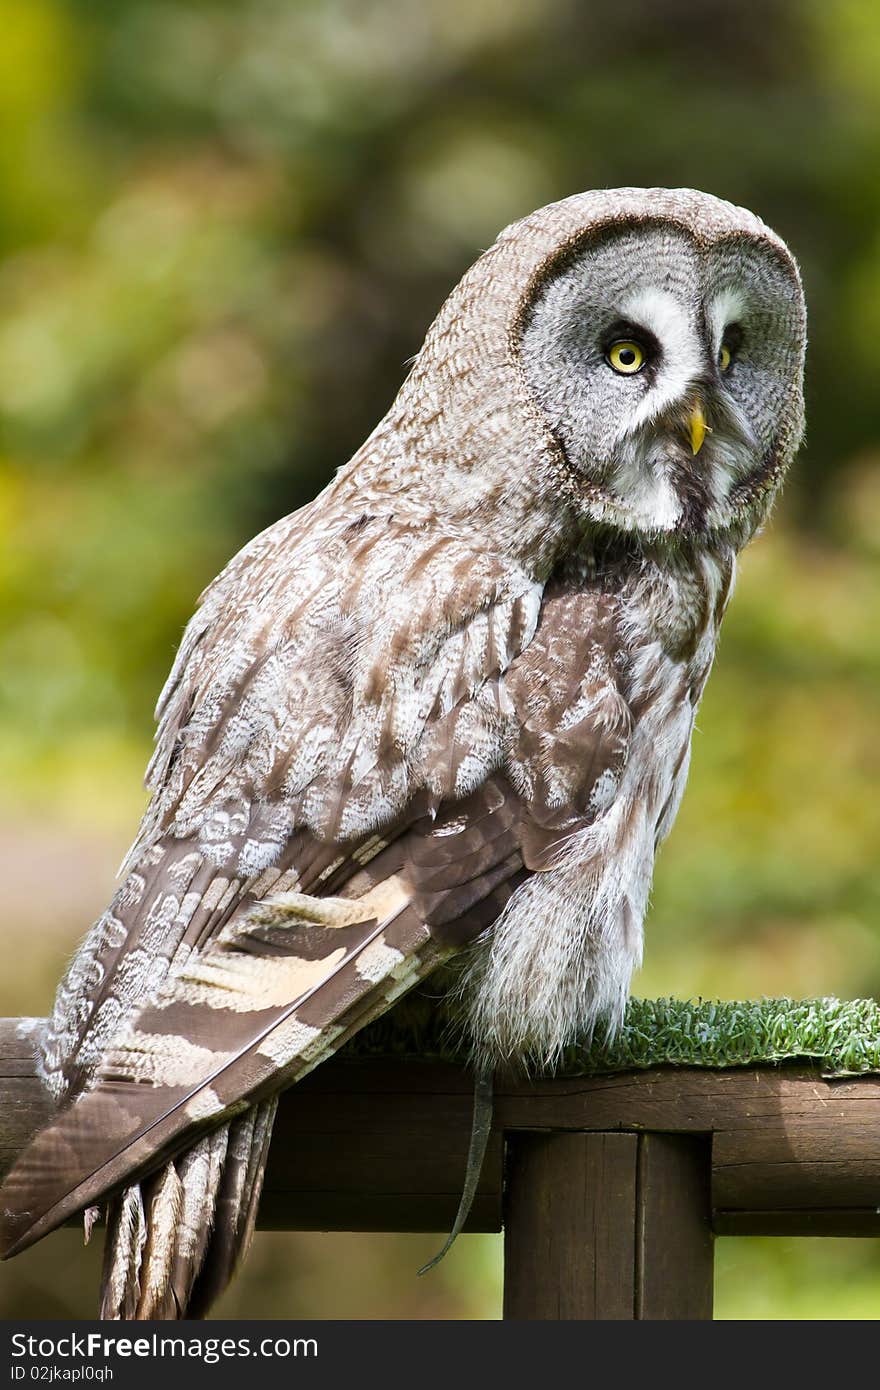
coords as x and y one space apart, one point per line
441 714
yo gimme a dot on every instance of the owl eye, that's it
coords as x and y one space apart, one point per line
626 357
730 345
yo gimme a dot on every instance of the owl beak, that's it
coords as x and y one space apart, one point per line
697 428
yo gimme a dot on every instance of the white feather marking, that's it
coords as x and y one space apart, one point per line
724 308
297 909
204 1105
292 1039
165 1059
246 983
683 352
377 960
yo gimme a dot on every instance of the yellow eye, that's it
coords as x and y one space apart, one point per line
625 357
725 357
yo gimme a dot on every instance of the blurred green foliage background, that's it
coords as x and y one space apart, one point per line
224 227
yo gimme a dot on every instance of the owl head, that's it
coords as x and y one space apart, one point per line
628 359
667 360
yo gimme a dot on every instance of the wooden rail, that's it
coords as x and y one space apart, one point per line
609 1188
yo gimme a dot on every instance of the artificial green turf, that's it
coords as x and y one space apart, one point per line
840 1036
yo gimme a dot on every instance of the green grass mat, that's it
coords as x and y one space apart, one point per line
841 1036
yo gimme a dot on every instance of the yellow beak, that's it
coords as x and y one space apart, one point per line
697 427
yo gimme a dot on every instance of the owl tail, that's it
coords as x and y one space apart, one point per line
175 1239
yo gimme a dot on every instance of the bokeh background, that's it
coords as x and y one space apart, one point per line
225 226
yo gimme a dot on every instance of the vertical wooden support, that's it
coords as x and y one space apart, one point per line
607 1226
569 1226
674 1258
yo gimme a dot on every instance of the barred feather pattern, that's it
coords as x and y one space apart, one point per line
163 1258
447 705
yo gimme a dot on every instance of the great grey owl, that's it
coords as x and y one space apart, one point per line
446 707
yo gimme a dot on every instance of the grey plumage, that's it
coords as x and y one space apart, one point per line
450 701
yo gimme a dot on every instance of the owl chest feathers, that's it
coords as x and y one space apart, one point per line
613 676
562 954
334 718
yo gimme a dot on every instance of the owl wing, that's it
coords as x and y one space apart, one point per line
218 978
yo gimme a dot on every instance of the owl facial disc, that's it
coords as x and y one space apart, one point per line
660 363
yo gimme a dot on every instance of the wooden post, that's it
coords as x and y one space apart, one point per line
674 1256
607 1226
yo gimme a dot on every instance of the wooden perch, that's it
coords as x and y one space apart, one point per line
609 1188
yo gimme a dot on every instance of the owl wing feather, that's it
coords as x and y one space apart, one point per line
216 978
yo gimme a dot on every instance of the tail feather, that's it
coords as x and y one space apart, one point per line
123 1251
189 1060
201 1171
163 1202
175 1239
237 1205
